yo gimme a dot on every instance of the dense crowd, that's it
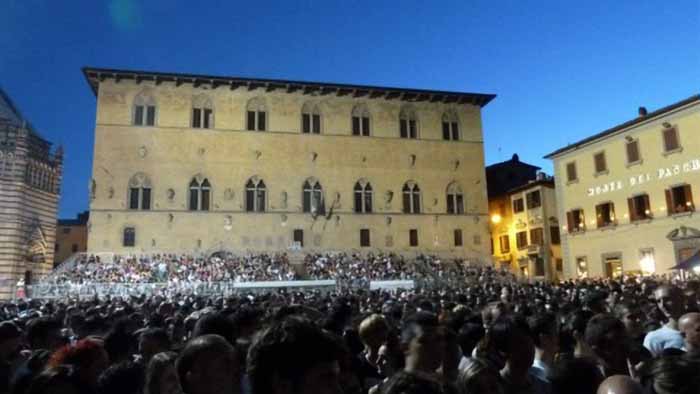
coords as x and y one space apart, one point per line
175 268
633 335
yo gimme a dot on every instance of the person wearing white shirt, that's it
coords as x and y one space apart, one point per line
670 301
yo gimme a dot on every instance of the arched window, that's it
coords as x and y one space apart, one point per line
450 126
411 197
360 120
312 197
455 199
200 194
363 196
256 118
144 110
202 112
310 119
140 192
408 123
255 195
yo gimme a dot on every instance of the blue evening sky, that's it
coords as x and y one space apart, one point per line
562 70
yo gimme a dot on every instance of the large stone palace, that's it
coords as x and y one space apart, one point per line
30 179
194 163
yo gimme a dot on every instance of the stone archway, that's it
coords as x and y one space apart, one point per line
686 242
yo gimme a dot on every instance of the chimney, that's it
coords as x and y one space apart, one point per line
642 111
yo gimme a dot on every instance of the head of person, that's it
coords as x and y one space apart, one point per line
575 376
151 342
10 341
574 330
491 312
409 383
217 324
208 364
510 336
123 378
631 316
469 336
620 384
607 337
422 342
689 325
373 331
294 356
390 359
479 377
673 375
45 333
88 358
670 301
57 380
161 376
544 329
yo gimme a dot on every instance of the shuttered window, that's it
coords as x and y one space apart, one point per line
639 207
504 241
521 239
600 164
537 236
671 139
575 221
679 199
605 214
571 172
632 151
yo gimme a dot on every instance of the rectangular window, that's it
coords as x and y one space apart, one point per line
298 236
671 139
150 115
129 237
134 198
537 236
250 122
205 199
504 241
521 239
196 118
455 131
554 235
413 237
534 199
138 115
364 238
605 214
305 123
632 151
316 123
575 221
194 199
365 126
355 125
146 199
582 267
262 121
571 173
66 230
599 161
518 205
458 237
404 128
412 131
446 131
639 207
679 199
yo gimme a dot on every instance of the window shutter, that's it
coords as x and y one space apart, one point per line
670 139
317 124
570 221
647 205
251 120
150 116
633 152
599 215
689 197
445 131
262 126
571 172
600 162
669 202
365 126
632 209
403 128
305 123
355 125
138 115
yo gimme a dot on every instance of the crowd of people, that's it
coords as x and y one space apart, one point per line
631 335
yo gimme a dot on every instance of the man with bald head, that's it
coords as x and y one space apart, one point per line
689 325
620 384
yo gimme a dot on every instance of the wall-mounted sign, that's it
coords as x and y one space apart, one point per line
661 173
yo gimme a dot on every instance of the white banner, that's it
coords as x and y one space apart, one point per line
390 284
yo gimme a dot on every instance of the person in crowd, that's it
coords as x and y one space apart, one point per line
56 380
161 376
689 326
545 335
607 338
373 331
673 375
151 342
479 377
44 333
620 384
575 376
669 300
294 356
87 357
123 378
209 365
10 353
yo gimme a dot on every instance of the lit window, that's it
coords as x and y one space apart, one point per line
679 199
605 214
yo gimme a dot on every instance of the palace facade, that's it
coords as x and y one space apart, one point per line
30 179
626 196
193 163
